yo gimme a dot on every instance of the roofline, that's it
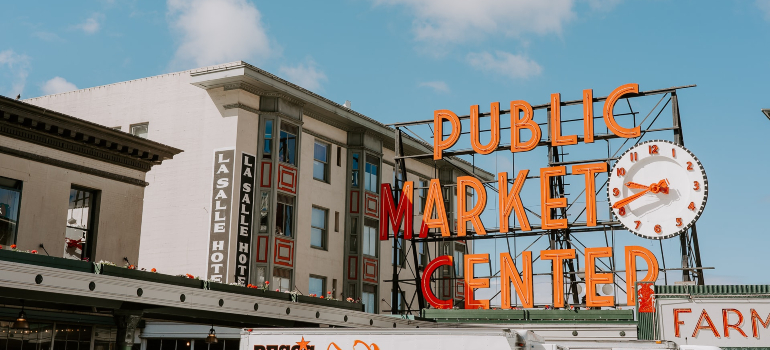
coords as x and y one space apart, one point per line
310 97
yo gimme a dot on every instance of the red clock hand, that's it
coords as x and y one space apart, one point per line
660 186
636 186
623 202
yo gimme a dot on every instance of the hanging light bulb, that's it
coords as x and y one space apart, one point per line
21 321
212 337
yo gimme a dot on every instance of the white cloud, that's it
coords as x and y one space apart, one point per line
16 68
438 86
603 5
764 6
454 21
217 31
306 75
57 85
92 24
504 63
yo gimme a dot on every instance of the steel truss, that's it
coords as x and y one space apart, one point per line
691 266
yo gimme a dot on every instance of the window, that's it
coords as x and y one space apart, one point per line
459 258
372 175
317 286
353 236
288 144
281 280
261 271
399 303
321 162
336 221
339 156
318 228
71 337
370 239
264 207
38 337
422 257
140 130
352 290
284 216
267 146
398 255
398 179
10 201
354 175
423 195
369 298
80 230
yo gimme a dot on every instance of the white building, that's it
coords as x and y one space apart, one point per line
255 143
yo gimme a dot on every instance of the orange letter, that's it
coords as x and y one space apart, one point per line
609 106
435 198
472 215
439 144
426 274
710 326
676 320
404 214
558 256
556 138
754 318
525 122
509 273
632 252
511 200
547 203
590 170
588 116
475 283
593 278
494 115
736 326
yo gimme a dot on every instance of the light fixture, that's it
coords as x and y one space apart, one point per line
212 337
21 321
766 111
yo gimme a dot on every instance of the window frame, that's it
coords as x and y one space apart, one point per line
131 129
281 208
89 250
287 271
323 284
398 259
326 177
374 161
324 230
423 195
268 141
285 128
373 241
355 170
19 190
375 303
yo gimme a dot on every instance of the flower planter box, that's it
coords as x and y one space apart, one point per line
47 261
151 276
330 303
221 287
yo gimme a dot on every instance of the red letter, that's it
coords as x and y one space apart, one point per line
609 106
475 283
494 129
426 274
736 326
435 198
590 171
558 256
439 143
676 320
523 285
588 116
525 122
705 316
632 252
593 278
404 214
511 200
754 318
556 138
471 215
547 203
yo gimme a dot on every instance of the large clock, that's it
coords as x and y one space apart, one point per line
657 189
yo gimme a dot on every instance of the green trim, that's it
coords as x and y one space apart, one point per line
44 260
725 291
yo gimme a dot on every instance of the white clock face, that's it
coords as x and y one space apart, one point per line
657 189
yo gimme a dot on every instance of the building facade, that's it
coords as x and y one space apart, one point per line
277 184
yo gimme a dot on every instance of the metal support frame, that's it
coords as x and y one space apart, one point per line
691 266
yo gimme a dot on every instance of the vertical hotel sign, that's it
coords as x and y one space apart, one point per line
246 206
220 215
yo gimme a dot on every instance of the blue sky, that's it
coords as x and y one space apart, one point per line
399 60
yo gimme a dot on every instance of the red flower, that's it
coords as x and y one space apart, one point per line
190 276
13 246
321 297
131 267
329 292
34 252
153 270
267 282
1 247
